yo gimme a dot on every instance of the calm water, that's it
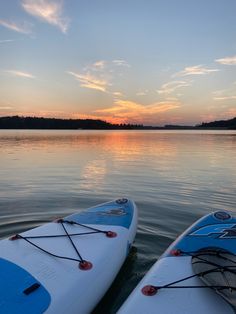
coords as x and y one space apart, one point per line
173 176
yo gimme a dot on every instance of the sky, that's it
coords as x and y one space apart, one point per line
151 62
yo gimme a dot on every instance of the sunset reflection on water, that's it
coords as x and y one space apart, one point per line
125 161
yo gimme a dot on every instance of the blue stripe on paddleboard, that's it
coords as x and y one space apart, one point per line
20 292
110 213
207 232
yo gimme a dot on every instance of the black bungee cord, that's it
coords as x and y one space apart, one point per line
150 290
83 264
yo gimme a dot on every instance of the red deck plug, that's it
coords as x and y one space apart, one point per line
85 265
111 234
149 290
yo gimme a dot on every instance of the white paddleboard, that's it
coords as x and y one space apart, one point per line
196 275
66 266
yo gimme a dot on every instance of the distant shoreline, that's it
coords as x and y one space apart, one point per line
39 123
123 129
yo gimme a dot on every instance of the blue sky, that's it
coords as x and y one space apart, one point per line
151 62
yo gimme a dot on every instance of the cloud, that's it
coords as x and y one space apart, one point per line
170 87
20 27
195 70
99 65
90 81
96 75
120 62
227 60
225 94
5 108
6 41
48 11
128 111
233 97
118 94
20 74
219 92
99 75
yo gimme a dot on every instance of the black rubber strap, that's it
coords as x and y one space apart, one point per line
32 288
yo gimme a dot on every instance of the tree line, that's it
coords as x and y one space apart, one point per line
17 122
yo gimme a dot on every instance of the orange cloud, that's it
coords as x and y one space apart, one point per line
5 108
126 111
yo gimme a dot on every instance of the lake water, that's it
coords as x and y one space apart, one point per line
174 177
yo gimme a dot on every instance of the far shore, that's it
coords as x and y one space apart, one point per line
40 123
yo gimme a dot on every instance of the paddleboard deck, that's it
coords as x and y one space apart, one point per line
186 277
66 266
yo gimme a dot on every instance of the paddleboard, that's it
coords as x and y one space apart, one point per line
196 274
67 265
